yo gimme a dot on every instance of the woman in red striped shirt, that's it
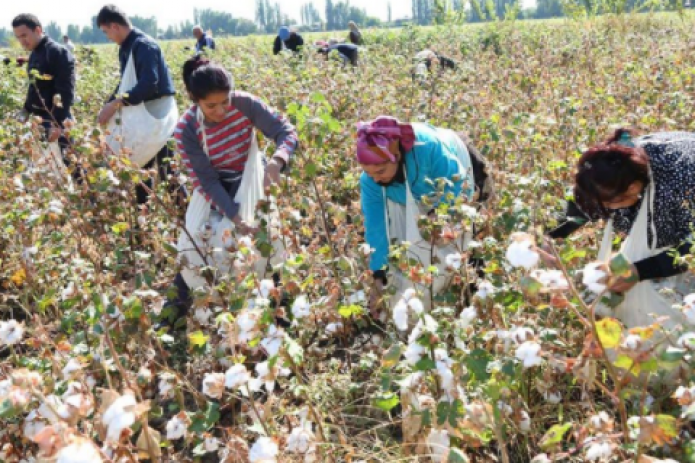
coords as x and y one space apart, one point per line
214 137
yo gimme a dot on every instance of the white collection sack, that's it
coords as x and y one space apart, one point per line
402 221
144 128
200 222
651 299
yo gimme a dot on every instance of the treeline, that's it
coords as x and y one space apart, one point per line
269 17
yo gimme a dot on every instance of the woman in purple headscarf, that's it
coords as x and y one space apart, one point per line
396 156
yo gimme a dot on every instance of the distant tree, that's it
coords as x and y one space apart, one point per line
53 30
73 32
147 25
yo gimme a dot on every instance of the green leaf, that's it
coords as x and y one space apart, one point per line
620 266
554 435
7 410
310 170
392 356
425 364
609 332
477 363
386 402
457 456
198 339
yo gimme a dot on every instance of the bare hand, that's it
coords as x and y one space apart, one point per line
108 111
546 253
625 284
54 134
243 228
272 172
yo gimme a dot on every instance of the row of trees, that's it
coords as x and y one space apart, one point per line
269 17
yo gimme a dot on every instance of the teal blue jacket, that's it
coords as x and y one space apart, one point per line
433 157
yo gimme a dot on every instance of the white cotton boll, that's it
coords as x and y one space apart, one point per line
485 290
525 422
247 323
301 440
366 250
541 458
409 294
119 417
528 353
358 298
599 451
594 276
265 287
333 328
553 280
687 341
505 409
264 450
53 409
552 397
454 261
72 369
32 425
412 381
446 377
469 211
301 308
236 376
413 353
176 428
69 291
166 385
203 315
80 451
11 332
211 444
273 342
438 442
468 315
400 315
213 385
632 342
521 334
597 422
522 253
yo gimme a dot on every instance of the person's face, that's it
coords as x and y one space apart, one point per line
215 106
29 39
197 33
627 199
384 173
113 32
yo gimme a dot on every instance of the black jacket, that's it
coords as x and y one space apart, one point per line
52 60
294 43
154 78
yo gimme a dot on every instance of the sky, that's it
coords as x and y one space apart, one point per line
171 12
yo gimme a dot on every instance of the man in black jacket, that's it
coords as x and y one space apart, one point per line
287 40
52 72
153 76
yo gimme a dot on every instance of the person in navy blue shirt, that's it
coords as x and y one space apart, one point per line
203 40
154 78
346 51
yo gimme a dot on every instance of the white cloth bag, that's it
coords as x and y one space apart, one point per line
200 222
402 225
144 128
650 299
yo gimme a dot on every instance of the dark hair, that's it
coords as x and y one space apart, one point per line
29 20
111 14
606 171
202 77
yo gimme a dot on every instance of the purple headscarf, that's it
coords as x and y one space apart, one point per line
373 139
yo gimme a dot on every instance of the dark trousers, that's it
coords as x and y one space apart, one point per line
162 163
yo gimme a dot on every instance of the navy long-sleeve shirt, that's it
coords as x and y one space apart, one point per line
57 65
154 78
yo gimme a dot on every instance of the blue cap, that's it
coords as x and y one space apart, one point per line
284 33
